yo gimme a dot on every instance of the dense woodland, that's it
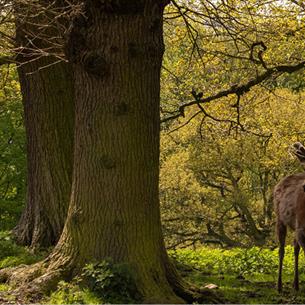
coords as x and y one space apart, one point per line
140 145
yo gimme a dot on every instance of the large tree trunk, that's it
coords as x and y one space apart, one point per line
48 98
114 209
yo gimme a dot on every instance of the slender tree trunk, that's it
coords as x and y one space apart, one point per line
114 209
48 98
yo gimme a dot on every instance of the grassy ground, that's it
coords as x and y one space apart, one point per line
243 276
249 290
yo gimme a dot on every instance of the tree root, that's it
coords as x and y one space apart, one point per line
19 278
193 294
22 274
188 292
31 283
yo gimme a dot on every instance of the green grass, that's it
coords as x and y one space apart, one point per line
242 275
238 261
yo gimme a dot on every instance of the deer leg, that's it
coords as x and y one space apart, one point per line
296 265
281 233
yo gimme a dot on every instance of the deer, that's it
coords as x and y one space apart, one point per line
289 204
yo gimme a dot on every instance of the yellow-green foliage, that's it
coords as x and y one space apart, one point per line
213 173
12 147
218 169
4 287
250 262
72 293
213 52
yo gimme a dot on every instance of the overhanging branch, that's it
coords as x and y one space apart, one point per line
238 89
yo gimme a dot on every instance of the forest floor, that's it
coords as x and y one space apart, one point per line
233 290
250 290
242 276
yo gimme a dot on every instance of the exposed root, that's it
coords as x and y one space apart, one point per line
5 274
32 282
22 274
192 294
188 292
34 290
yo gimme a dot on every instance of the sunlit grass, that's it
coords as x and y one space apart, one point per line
243 276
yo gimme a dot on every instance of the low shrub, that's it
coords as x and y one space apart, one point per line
114 283
72 293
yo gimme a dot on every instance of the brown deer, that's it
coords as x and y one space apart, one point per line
289 203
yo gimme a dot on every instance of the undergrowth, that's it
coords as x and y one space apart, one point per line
12 255
241 275
102 282
238 261
73 293
244 276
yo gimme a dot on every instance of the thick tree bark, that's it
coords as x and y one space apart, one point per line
48 98
114 212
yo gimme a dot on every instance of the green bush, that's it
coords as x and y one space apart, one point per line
114 283
72 293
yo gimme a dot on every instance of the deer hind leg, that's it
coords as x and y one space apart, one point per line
296 265
300 238
281 233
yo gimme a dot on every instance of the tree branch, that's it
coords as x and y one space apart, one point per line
238 89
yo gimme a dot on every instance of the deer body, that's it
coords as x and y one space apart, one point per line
289 202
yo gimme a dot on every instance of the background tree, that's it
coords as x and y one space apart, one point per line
48 98
226 160
216 181
228 47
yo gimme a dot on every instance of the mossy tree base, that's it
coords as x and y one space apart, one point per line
32 283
